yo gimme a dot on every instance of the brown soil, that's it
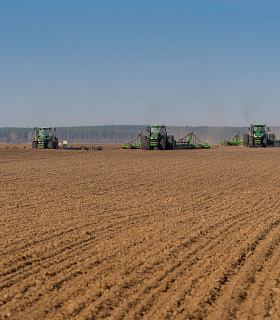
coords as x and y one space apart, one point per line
133 234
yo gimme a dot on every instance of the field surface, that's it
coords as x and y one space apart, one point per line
132 234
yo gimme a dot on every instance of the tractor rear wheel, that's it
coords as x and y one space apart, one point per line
246 140
265 141
170 143
145 143
162 144
271 139
251 141
56 143
34 144
50 144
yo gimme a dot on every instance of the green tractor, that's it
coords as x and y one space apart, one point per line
258 136
44 139
157 138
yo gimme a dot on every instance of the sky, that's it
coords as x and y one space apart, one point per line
118 62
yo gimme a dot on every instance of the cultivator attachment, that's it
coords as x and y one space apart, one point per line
190 141
81 148
135 143
232 141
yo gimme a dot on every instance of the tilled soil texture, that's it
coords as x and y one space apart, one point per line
133 234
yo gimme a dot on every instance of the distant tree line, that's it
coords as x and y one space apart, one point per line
122 133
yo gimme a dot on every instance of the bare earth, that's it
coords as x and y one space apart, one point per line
132 234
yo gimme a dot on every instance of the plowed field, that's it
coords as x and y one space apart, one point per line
132 234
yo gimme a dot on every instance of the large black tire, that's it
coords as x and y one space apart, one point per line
55 143
246 140
170 143
34 144
145 143
271 139
265 141
251 141
50 144
162 144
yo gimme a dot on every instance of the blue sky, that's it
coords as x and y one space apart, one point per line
87 62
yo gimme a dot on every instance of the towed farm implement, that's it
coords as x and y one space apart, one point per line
81 148
232 141
135 143
190 141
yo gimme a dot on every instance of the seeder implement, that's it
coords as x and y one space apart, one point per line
81 148
190 141
232 141
135 143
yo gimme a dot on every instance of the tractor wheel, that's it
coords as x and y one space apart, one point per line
246 140
46 142
271 139
162 144
170 143
251 141
50 144
145 143
34 144
56 143
265 141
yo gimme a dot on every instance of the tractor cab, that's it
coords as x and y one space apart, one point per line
156 131
258 129
44 132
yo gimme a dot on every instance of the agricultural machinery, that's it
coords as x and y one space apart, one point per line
156 138
232 141
190 141
258 136
44 139
135 143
